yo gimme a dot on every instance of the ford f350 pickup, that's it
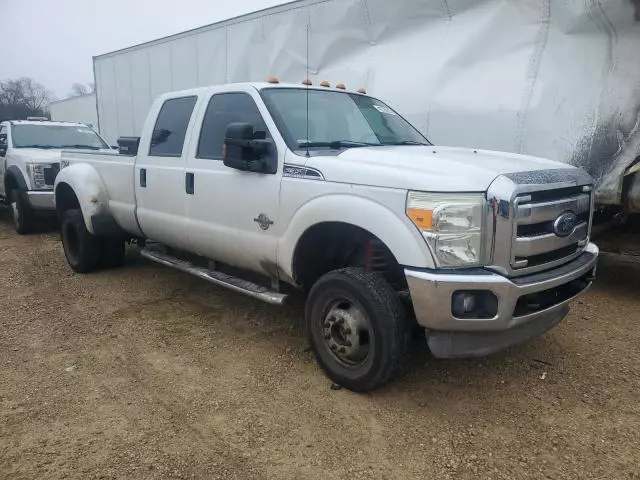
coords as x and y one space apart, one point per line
335 194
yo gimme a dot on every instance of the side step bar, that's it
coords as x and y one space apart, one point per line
218 278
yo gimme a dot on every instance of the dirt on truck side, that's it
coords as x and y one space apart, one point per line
145 372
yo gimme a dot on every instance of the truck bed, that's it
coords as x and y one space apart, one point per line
117 174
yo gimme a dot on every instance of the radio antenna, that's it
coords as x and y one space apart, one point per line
307 85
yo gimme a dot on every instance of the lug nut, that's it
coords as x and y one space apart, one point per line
327 325
334 347
327 337
342 350
349 344
341 321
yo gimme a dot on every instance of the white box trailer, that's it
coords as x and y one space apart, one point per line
553 78
81 109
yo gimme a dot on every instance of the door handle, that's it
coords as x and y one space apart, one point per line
189 183
143 177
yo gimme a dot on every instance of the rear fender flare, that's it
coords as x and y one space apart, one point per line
88 188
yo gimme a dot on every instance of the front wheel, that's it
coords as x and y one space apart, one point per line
21 212
358 329
81 248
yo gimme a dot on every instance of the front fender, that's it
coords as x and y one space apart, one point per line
397 233
88 188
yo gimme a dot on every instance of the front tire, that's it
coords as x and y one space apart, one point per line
358 329
21 212
81 248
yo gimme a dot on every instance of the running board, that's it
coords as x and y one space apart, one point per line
218 278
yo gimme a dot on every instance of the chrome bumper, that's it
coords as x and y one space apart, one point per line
449 336
42 200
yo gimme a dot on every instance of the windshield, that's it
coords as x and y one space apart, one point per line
337 120
55 136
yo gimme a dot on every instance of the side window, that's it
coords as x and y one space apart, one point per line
168 135
223 109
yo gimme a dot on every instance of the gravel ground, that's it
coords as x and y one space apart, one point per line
144 372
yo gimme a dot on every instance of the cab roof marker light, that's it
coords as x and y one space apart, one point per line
273 79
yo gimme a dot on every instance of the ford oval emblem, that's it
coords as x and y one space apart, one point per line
565 224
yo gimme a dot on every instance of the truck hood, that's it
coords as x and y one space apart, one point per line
428 168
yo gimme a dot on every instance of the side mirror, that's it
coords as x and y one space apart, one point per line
128 145
3 145
245 149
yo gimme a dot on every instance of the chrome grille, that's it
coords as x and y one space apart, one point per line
536 242
522 210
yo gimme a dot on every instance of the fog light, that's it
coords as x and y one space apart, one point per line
474 304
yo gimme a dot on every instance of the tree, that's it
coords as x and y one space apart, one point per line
78 89
23 97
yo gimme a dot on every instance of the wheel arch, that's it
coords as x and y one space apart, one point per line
350 214
80 186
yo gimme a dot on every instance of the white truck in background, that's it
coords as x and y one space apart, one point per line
254 186
30 160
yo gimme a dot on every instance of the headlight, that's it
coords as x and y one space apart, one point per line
451 223
36 174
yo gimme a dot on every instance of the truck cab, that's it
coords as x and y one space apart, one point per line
30 160
334 193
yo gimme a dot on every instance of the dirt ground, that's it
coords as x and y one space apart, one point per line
144 372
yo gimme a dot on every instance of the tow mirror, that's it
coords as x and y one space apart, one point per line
244 149
3 145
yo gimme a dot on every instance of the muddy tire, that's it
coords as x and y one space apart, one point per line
358 329
21 212
112 252
81 248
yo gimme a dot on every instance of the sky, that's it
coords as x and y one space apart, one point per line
53 41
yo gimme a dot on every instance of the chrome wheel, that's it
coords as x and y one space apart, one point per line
347 332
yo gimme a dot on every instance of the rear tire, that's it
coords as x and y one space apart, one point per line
81 248
21 211
112 252
358 329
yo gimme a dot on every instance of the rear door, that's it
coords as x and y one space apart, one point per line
160 172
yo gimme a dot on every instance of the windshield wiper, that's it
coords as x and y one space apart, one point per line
406 142
336 144
36 146
86 147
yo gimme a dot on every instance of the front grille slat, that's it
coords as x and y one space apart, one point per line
529 246
548 211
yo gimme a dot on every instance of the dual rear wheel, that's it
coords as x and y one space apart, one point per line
86 252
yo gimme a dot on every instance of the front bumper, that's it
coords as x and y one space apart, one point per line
517 319
41 200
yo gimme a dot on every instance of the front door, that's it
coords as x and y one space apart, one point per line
160 175
232 214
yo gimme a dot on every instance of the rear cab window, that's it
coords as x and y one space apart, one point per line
167 139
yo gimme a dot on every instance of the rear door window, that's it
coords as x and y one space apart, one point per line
168 135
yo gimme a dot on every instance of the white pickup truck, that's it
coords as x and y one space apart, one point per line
334 193
29 162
